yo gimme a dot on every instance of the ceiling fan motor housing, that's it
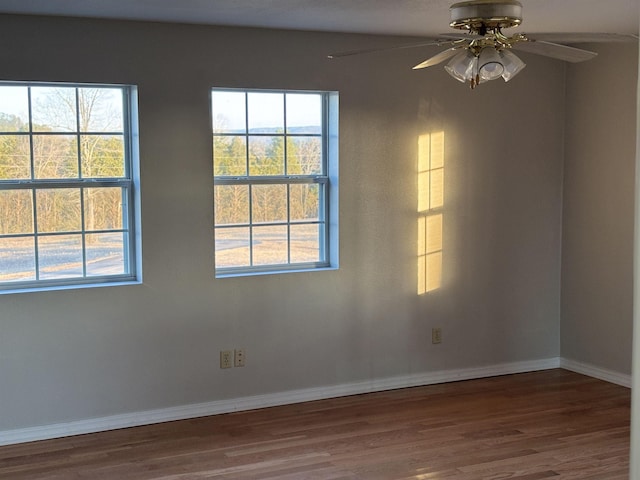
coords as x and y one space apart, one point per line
478 15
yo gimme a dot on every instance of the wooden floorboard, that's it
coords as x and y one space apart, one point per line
553 424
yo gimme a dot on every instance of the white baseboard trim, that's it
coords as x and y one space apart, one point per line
149 417
596 372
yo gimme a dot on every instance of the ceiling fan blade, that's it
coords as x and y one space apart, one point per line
585 37
430 43
439 58
555 50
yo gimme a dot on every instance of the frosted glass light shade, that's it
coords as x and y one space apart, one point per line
462 67
512 65
490 64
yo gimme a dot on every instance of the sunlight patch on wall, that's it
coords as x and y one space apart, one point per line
430 205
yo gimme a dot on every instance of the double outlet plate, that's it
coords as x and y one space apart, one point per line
436 335
232 358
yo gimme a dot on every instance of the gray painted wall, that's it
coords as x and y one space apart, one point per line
634 471
85 353
597 239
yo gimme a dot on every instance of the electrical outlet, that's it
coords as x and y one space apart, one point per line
436 335
226 358
239 359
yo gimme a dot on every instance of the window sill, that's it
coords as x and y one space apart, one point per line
77 286
274 272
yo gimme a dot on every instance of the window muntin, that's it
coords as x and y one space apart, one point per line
66 185
271 180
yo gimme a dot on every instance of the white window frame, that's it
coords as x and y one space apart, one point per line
129 184
328 194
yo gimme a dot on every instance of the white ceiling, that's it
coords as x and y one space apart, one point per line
402 17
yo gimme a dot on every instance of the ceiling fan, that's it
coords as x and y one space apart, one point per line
483 52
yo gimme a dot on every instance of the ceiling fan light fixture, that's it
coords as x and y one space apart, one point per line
462 67
483 52
512 65
490 64
475 68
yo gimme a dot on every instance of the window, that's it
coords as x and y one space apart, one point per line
67 185
275 180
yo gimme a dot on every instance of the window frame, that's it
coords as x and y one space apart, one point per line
327 192
128 184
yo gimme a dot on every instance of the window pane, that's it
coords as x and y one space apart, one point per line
263 142
60 256
268 203
16 212
14 109
266 156
304 156
304 201
102 156
270 245
14 157
17 259
231 204
230 156
304 113
58 210
54 109
232 247
101 109
305 243
228 111
105 254
266 112
63 136
103 208
55 156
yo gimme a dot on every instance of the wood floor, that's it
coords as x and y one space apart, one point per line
552 424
